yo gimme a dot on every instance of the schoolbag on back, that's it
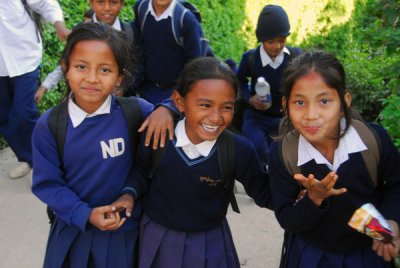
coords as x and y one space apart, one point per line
58 120
289 150
180 9
36 19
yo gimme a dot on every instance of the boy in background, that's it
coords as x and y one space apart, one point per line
165 58
268 60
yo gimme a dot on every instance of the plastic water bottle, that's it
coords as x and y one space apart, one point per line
263 91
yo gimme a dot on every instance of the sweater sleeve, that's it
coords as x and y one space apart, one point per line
242 75
48 183
251 174
141 168
192 34
389 177
53 78
292 216
136 182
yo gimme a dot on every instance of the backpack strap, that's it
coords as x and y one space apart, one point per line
288 152
128 31
134 118
36 19
294 52
57 123
178 14
251 61
226 159
371 156
140 10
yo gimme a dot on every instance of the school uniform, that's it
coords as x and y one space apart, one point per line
19 71
184 222
259 126
320 236
164 57
95 171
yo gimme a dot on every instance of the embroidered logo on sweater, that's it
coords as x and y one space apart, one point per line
114 148
210 181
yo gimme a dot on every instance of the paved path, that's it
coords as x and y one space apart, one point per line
24 227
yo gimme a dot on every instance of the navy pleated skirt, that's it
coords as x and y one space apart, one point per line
160 247
300 254
68 246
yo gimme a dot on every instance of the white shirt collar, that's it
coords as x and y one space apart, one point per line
191 150
266 59
78 115
167 13
349 143
116 25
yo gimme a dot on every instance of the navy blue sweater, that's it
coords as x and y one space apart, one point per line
164 57
271 75
325 227
188 195
90 176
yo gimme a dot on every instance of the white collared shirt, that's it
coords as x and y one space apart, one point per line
191 150
167 13
78 115
20 51
116 25
266 59
349 143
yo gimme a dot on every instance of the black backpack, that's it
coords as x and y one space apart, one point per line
226 160
180 9
36 19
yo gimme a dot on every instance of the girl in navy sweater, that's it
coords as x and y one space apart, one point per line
317 110
185 204
92 182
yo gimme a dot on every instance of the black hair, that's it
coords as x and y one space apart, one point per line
205 68
331 71
116 40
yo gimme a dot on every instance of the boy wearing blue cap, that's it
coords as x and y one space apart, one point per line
268 60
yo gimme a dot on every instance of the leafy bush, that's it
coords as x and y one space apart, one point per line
390 117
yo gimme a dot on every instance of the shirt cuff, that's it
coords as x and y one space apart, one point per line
129 190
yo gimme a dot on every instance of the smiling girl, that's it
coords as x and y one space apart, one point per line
185 205
82 185
317 113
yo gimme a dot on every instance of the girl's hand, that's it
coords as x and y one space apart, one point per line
158 123
106 218
257 104
39 94
390 250
317 190
125 202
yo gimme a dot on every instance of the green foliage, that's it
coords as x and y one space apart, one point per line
390 117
